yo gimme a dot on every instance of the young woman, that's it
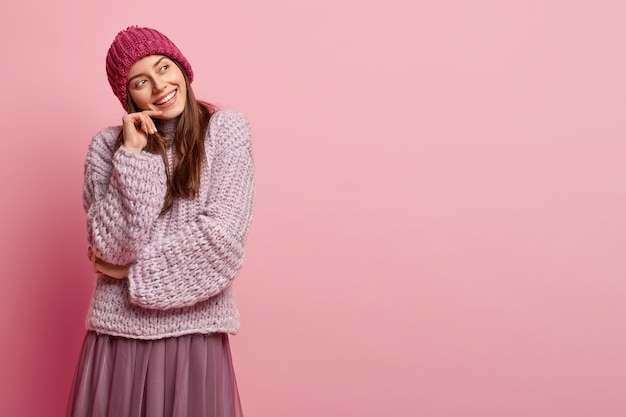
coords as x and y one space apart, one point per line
169 198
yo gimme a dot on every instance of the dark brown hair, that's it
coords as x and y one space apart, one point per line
183 180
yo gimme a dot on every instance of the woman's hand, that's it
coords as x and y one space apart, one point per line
136 128
105 268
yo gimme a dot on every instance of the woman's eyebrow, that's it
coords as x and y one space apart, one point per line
142 74
159 61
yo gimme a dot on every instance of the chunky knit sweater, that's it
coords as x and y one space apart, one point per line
182 262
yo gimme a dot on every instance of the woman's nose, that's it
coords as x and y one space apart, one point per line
159 84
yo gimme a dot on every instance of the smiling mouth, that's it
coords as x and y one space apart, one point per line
166 98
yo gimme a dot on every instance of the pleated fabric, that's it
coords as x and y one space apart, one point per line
186 376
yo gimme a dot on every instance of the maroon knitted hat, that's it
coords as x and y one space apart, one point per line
132 44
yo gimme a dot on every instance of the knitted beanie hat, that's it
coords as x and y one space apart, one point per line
132 44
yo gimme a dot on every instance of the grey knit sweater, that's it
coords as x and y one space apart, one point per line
183 262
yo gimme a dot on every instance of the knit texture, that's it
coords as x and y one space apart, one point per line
132 44
183 262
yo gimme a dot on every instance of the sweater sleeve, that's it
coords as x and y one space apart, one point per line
123 195
200 260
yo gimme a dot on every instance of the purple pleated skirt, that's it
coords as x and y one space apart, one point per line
186 376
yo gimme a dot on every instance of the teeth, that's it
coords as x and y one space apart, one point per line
167 98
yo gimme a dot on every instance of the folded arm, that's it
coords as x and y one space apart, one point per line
203 258
123 195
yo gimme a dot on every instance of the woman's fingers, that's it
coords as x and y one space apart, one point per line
137 127
140 121
110 270
143 120
104 268
146 124
152 113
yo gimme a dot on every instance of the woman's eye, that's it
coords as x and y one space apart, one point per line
164 68
140 83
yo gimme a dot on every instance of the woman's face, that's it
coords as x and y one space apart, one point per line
156 83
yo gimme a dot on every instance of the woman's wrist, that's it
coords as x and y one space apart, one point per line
131 148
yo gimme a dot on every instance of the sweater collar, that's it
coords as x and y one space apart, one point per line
167 127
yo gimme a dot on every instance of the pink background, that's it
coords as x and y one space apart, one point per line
440 227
